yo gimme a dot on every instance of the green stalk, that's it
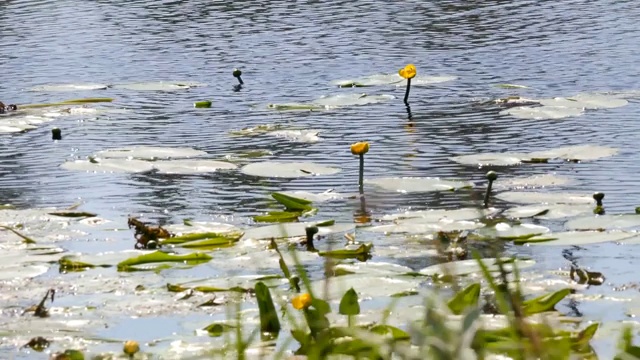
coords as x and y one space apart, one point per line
406 94
361 177
491 176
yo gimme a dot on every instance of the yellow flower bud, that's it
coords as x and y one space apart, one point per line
131 347
360 148
301 301
408 72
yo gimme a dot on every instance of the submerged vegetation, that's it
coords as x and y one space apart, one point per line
298 288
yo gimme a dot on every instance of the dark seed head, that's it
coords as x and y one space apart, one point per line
237 73
492 176
598 196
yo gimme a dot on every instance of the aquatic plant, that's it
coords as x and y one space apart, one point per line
408 72
360 148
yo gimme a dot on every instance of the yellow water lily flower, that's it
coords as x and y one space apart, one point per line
408 72
131 347
360 148
301 301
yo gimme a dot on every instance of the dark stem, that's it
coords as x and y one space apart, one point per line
406 94
486 195
361 177
409 114
240 80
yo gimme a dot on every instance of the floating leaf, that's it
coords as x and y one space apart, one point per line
425 226
534 181
278 216
288 230
211 243
159 256
542 112
605 222
149 152
436 215
489 159
412 184
109 166
586 101
464 299
548 211
287 169
73 214
217 329
159 86
206 289
349 303
217 238
466 267
576 238
576 153
302 136
334 101
291 202
69 87
352 251
66 264
505 231
202 104
545 302
315 197
372 80
191 166
522 197
391 331
511 86
199 227
268 315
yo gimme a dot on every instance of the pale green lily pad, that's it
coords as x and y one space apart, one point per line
288 230
578 238
421 80
371 80
256 130
334 102
542 112
366 286
587 101
21 271
548 211
437 215
325 196
199 227
4 129
109 166
607 222
534 181
424 226
466 267
191 166
149 152
287 169
160 86
69 87
505 231
523 197
414 184
489 159
372 268
301 136
511 86
576 153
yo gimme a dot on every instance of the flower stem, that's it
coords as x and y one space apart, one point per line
486 195
406 94
361 177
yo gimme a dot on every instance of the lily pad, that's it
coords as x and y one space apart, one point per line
159 86
577 238
191 166
534 181
302 136
201 227
606 222
424 226
576 153
288 230
69 87
523 197
315 197
159 257
109 165
542 112
372 80
334 102
437 215
505 231
548 211
466 267
489 159
414 184
287 169
511 86
149 152
586 101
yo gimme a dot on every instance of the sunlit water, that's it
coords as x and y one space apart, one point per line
291 52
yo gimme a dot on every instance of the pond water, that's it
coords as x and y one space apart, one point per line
291 52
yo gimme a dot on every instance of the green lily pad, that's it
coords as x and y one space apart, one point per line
366 286
149 152
371 80
159 257
577 238
315 197
288 230
291 202
576 153
466 267
159 86
351 251
424 226
287 169
191 166
530 182
606 222
545 302
278 216
436 215
542 112
69 87
548 211
301 136
522 197
199 227
505 231
414 184
464 299
586 101
489 159
334 102
109 166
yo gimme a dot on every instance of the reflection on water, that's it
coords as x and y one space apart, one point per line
290 53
